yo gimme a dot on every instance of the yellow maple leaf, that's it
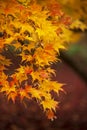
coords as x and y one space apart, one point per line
78 25
3 78
56 87
50 104
23 94
49 86
35 93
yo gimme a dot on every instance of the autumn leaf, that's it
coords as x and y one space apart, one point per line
76 8
9 91
56 87
49 104
3 78
50 115
36 93
28 70
23 94
12 96
78 25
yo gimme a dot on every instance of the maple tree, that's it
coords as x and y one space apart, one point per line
35 33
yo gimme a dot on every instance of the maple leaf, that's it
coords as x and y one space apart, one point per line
46 58
50 104
36 93
48 86
51 71
14 80
56 87
9 90
35 75
12 96
21 70
3 78
20 77
26 57
50 115
28 70
78 25
4 61
23 94
44 74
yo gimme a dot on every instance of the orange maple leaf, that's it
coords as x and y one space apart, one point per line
50 115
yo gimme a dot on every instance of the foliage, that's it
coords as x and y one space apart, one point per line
76 8
34 33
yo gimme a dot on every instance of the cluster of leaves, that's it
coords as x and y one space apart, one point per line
36 33
76 8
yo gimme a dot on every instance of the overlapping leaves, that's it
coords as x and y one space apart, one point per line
36 33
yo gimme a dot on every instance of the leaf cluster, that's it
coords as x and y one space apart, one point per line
35 33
